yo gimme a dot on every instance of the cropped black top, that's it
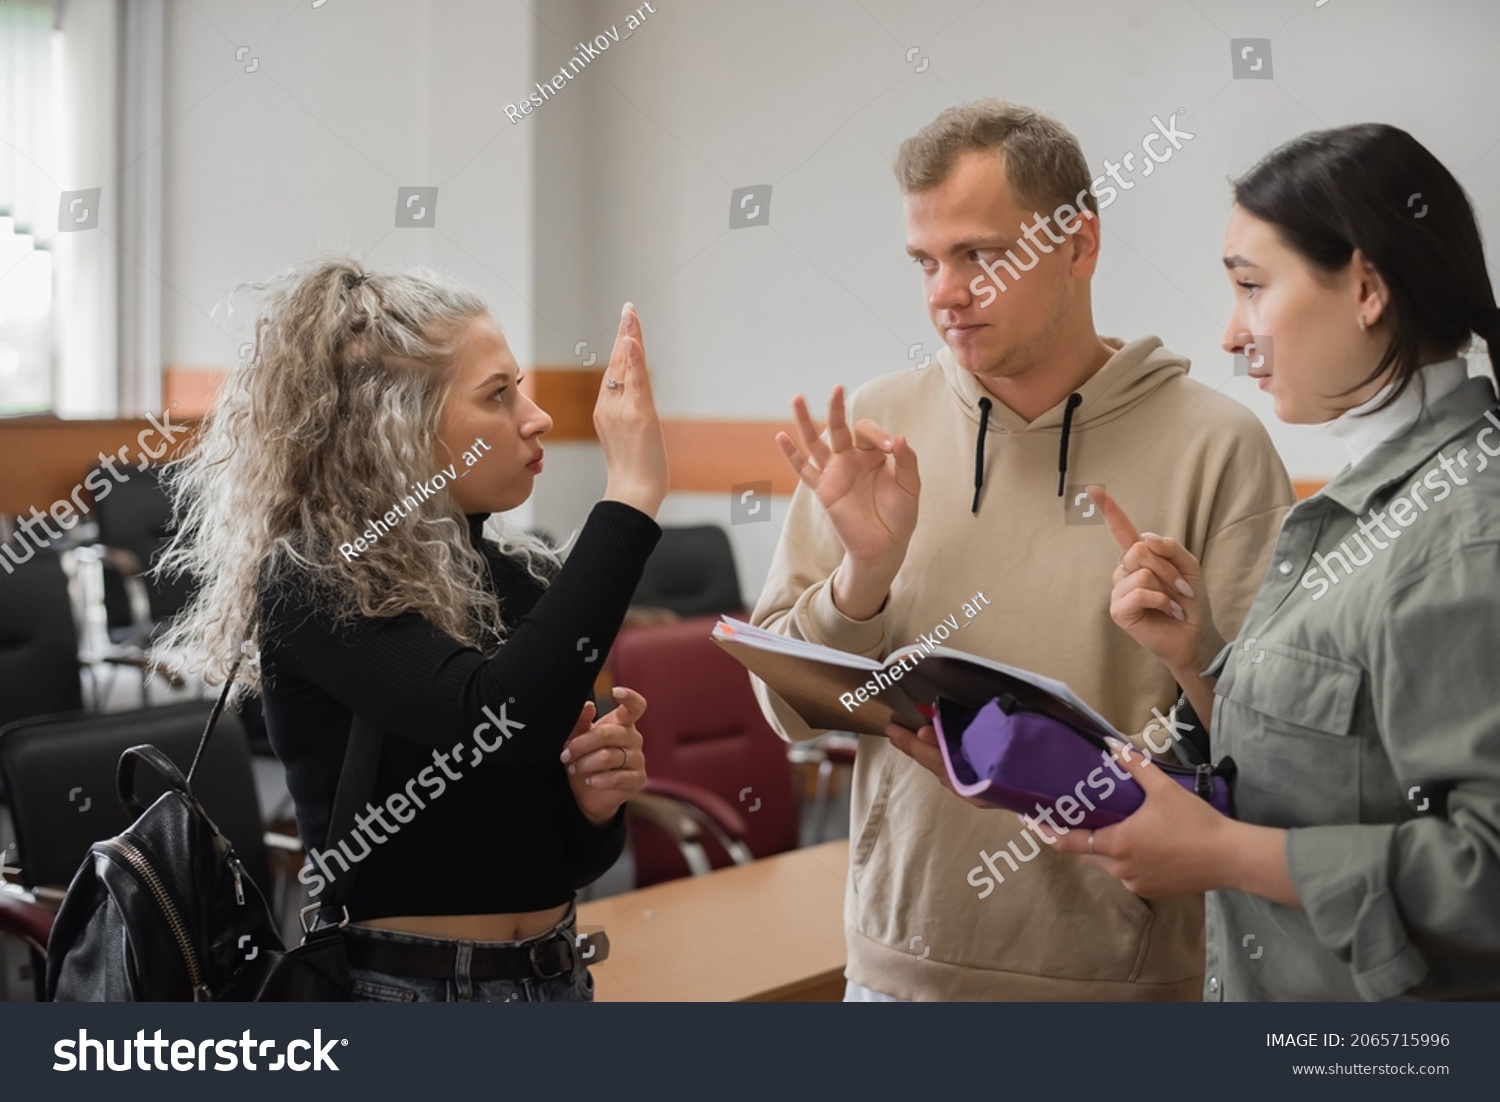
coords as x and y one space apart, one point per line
472 811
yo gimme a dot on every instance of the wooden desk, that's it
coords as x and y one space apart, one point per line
771 931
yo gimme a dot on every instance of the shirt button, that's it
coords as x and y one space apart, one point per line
1285 567
1213 984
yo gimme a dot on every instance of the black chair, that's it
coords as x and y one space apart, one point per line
134 520
692 573
59 776
39 668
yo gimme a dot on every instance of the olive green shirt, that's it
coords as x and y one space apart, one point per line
1360 703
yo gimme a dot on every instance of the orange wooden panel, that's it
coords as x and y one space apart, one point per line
712 456
705 456
568 395
44 459
194 391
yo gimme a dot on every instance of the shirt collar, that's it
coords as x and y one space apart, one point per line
476 528
1361 431
1453 417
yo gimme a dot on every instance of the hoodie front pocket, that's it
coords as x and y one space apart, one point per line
859 857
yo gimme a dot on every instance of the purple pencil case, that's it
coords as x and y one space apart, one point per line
1018 759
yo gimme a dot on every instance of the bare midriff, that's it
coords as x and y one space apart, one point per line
493 927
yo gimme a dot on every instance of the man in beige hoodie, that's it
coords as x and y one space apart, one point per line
1024 407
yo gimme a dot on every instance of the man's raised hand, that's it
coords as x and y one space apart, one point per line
866 480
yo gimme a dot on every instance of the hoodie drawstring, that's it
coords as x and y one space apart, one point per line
984 424
1074 401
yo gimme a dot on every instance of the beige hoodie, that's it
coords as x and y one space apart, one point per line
1182 460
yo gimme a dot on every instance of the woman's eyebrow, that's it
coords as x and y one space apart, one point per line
491 380
1237 261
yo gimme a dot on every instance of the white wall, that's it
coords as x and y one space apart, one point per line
814 98
348 102
304 155
619 187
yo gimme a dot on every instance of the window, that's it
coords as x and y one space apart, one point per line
27 150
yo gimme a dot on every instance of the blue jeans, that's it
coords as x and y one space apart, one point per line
373 986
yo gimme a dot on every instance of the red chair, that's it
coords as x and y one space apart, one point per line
23 917
708 750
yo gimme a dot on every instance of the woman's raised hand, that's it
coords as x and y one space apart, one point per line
635 452
1159 597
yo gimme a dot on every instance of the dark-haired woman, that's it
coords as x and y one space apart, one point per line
333 513
1359 701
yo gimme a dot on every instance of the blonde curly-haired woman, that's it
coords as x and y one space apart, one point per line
332 514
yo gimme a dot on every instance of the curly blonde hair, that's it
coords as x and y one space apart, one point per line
329 422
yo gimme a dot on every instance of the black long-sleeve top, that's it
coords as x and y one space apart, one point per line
505 834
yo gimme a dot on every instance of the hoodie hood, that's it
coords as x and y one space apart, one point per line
1133 372
1126 379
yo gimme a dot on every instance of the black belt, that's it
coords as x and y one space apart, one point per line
556 955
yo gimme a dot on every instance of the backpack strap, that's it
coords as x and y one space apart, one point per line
355 788
213 719
125 774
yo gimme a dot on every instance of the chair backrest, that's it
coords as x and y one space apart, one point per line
692 573
136 516
703 725
39 670
59 775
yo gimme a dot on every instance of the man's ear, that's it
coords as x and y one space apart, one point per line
1083 240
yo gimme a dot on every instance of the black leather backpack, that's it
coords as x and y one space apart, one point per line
166 912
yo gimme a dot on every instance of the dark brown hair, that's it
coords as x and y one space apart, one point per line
1375 188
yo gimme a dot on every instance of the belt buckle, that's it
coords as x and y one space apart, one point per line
315 910
536 964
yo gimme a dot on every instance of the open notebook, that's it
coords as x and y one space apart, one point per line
837 691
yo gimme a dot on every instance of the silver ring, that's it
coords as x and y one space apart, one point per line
1091 841
625 761
613 383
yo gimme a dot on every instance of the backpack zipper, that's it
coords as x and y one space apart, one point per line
137 861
